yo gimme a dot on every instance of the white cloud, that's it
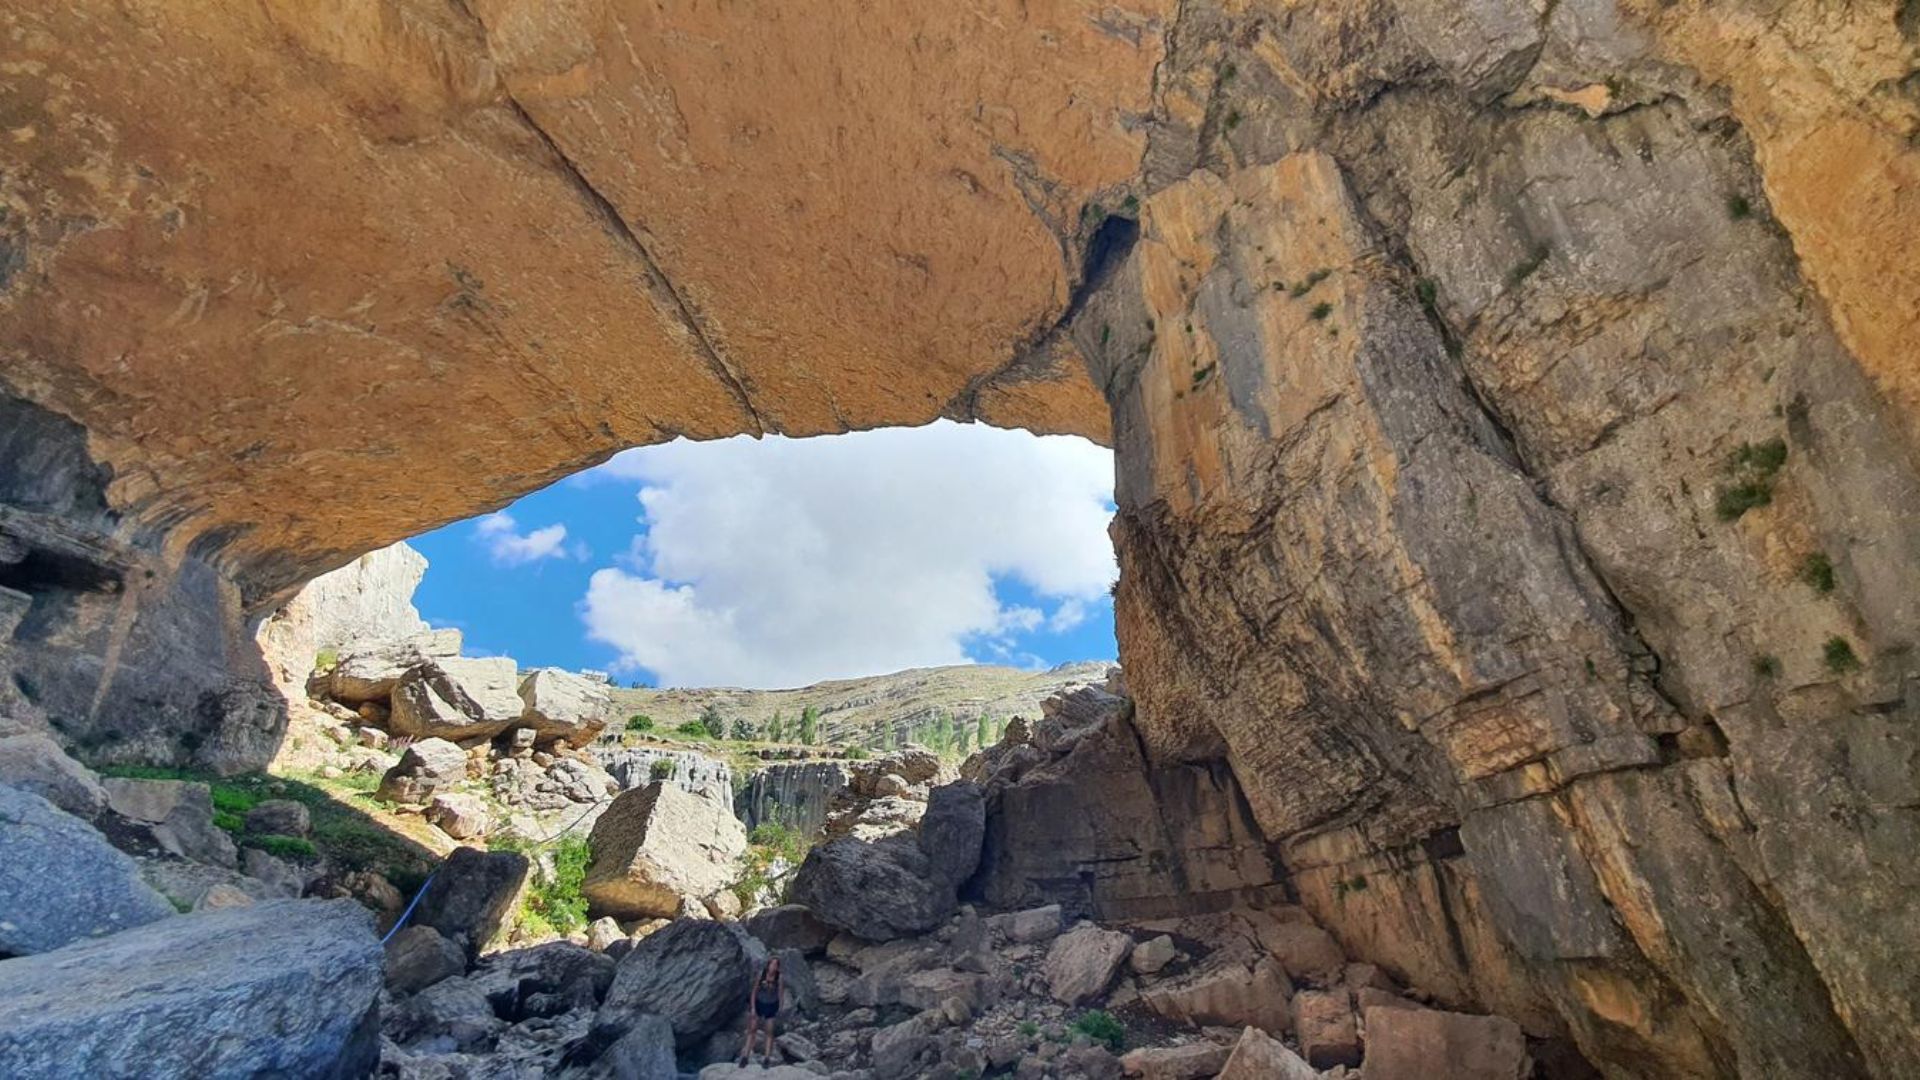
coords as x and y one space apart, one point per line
785 561
507 546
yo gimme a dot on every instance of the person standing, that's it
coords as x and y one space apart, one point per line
768 993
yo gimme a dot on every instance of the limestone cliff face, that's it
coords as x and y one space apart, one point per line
1516 403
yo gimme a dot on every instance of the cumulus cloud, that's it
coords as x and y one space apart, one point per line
782 562
507 546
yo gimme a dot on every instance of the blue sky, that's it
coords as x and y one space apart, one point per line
780 562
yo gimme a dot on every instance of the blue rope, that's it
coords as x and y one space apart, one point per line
402 920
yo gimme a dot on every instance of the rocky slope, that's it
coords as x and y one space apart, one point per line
859 711
1515 406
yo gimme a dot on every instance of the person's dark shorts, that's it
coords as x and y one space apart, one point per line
766 1010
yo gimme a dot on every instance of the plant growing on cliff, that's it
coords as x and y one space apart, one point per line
1817 570
1320 311
1101 1026
639 722
1839 655
663 769
553 903
1766 666
326 660
1752 468
1739 208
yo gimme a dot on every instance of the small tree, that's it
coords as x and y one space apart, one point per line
639 722
962 736
715 724
981 729
663 769
693 729
743 729
942 733
776 728
809 725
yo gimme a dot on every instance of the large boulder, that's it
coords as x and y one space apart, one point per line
61 881
1082 963
562 705
645 1052
899 884
279 817
281 988
1324 1023
1412 1044
33 762
178 814
472 894
425 768
1227 991
459 816
1194 1061
656 844
457 698
1259 1056
418 956
694 973
789 926
370 674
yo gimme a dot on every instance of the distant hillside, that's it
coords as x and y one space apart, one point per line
858 710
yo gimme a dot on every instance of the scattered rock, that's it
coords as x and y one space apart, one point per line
222 896
1151 955
281 988
1083 961
34 763
1189 1062
279 817
695 973
1305 950
654 845
1323 1022
177 813
562 705
789 926
370 673
472 894
462 817
1413 1044
271 870
60 881
1031 926
1259 1056
418 956
1226 991
457 698
603 933
897 1048
425 768
645 1052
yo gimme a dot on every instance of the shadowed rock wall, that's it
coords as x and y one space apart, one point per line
1516 404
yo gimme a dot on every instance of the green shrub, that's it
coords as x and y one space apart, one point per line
553 904
1100 1026
1739 208
287 847
663 769
1028 1029
1840 656
639 722
233 823
856 753
1320 311
1817 570
1753 467
1304 287
1766 666
693 729
326 660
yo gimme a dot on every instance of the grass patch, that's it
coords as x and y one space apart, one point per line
1028 1029
1753 468
1100 1026
553 904
286 847
1302 288
1817 570
1766 666
1839 655
1320 311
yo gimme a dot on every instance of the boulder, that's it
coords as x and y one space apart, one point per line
462 817
1151 955
562 705
60 881
789 926
279 817
897 1048
369 674
878 890
951 831
695 974
1068 717
418 956
457 698
1082 963
603 933
1323 1022
280 988
1190 1062
1226 991
178 814
1412 1044
645 1052
425 768
34 763
559 974
1307 952
655 844
1259 1056
280 876
1031 926
472 894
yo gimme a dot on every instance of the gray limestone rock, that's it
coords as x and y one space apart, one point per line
177 813
33 762
562 705
656 844
695 973
60 881
457 698
280 988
